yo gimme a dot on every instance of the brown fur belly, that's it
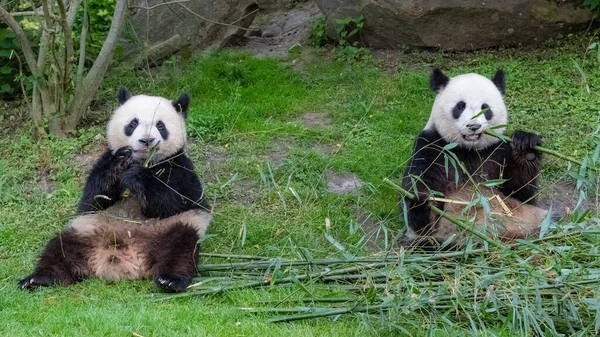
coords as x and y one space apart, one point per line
507 220
120 244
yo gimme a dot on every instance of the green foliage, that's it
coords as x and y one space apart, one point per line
348 32
10 75
100 14
594 6
317 34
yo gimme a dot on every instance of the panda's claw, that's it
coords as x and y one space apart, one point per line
173 283
35 281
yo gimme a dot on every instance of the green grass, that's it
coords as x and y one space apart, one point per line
252 148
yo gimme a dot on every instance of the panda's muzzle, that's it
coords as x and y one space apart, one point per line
473 126
146 141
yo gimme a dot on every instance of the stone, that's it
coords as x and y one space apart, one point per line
166 28
457 24
283 31
346 183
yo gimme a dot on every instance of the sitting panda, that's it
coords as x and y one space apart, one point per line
465 106
135 221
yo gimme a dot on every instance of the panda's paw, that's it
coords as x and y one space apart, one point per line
173 283
135 177
124 158
522 140
37 280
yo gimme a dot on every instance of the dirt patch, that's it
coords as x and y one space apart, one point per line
214 156
282 32
563 197
313 120
244 191
346 183
44 183
281 148
324 149
370 226
86 158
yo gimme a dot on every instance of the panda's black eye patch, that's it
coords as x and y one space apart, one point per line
489 113
162 128
129 128
458 109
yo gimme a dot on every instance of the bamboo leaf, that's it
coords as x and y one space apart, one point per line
546 223
494 182
334 242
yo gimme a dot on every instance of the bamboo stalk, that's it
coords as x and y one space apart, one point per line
541 149
332 312
233 256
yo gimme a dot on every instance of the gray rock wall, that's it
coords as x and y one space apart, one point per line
458 24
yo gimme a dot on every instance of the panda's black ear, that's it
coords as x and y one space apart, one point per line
500 81
437 80
182 104
122 95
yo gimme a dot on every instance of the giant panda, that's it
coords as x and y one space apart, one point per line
135 221
465 106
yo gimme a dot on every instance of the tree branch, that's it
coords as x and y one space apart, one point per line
83 37
212 21
180 3
73 6
89 85
30 13
68 40
25 44
47 18
163 4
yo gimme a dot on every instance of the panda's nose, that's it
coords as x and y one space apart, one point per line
473 126
146 141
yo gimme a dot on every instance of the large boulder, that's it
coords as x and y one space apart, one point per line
457 24
161 28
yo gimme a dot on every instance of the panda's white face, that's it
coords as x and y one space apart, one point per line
144 122
457 110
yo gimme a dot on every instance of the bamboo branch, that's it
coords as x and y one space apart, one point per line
541 149
332 312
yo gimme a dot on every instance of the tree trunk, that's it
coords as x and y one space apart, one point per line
86 89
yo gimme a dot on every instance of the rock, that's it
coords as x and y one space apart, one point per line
283 31
275 5
200 24
346 183
272 31
457 24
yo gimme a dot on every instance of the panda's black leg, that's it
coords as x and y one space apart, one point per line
418 213
64 254
173 257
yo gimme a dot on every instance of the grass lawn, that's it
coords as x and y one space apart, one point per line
266 135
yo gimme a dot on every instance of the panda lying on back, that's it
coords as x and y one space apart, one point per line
136 221
456 118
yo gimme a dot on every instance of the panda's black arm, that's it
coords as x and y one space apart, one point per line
103 186
166 189
522 168
424 174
